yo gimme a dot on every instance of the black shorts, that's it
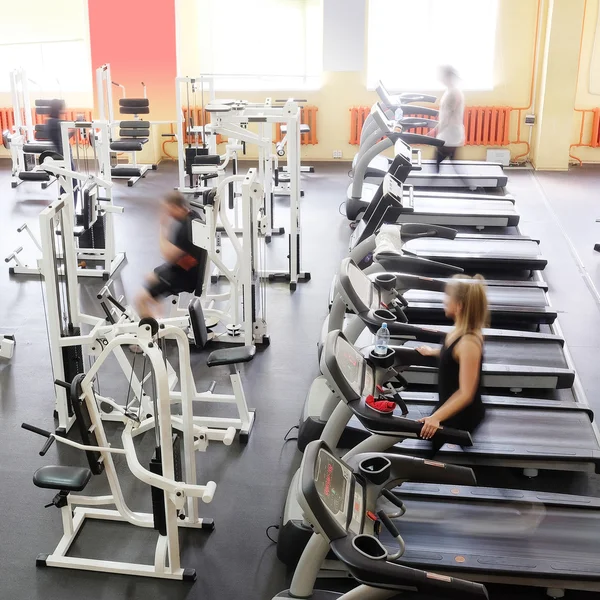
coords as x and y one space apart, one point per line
172 279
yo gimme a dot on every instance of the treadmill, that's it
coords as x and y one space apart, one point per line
482 173
514 360
379 236
441 522
525 433
332 505
440 209
512 304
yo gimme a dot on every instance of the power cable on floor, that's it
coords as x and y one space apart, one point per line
286 438
267 532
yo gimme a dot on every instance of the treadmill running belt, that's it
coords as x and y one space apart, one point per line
459 205
512 429
524 352
497 296
537 540
516 249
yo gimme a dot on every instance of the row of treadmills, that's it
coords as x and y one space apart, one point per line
368 502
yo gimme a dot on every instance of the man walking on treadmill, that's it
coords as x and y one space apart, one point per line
451 127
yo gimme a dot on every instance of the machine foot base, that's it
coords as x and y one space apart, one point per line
189 575
208 524
245 433
41 559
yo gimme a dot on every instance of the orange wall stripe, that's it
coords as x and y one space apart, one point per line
595 142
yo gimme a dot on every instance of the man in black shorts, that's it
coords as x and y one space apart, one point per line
183 269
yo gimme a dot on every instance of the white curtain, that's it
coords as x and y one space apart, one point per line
408 41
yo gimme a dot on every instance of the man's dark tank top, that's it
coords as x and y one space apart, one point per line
448 384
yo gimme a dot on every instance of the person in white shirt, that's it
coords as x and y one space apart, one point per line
451 126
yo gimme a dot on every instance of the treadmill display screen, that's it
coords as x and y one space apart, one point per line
355 371
362 286
332 484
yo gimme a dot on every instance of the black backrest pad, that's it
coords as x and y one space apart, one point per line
197 322
139 124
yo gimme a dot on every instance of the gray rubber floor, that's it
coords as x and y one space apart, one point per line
237 560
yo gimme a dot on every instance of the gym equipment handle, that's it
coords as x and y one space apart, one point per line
63 384
391 497
211 488
389 525
11 256
43 433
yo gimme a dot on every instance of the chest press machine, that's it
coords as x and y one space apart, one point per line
93 218
171 473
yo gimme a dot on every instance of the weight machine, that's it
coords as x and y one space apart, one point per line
133 134
93 219
231 119
172 480
7 346
26 141
68 342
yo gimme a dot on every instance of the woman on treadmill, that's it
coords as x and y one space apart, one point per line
460 360
184 264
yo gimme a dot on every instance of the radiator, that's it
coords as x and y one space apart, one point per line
198 117
7 120
484 125
487 125
595 141
358 116
308 116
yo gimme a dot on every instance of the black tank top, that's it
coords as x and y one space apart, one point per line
448 384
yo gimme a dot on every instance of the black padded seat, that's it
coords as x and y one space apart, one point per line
56 477
304 128
37 147
128 145
231 356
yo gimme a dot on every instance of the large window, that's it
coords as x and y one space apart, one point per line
408 41
51 67
261 44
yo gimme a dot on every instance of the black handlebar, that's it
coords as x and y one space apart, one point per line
389 525
391 497
43 433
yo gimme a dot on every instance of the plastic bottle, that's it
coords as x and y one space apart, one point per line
382 340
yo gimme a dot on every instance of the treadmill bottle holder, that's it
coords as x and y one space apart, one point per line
386 281
376 469
383 361
370 547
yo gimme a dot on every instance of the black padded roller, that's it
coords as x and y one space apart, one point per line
42 110
135 124
131 110
126 146
134 102
42 102
134 133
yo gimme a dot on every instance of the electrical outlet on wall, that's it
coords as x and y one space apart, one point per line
337 154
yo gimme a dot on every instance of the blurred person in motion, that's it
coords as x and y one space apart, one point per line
460 360
451 125
54 133
184 261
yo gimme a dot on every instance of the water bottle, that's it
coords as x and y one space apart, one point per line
382 340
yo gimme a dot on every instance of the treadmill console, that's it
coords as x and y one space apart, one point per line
339 492
394 188
353 367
